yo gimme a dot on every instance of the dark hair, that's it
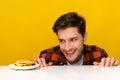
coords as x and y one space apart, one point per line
71 19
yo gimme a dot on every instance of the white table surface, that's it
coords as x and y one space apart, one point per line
62 73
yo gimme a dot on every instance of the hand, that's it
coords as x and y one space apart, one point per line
107 62
42 62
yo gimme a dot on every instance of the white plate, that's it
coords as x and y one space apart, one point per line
13 66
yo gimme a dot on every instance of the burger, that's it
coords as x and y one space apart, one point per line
25 62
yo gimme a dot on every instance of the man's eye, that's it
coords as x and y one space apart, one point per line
61 41
73 39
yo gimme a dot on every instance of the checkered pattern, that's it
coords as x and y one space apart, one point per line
91 54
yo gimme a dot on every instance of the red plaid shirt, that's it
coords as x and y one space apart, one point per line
91 54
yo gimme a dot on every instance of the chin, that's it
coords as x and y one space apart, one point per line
70 60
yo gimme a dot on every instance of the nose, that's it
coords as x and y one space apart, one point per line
67 46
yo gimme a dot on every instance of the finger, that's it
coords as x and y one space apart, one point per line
50 64
102 63
96 63
108 61
116 63
112 61
38 61
43 62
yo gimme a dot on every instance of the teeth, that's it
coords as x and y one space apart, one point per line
70 52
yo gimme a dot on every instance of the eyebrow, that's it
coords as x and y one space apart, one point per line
69 38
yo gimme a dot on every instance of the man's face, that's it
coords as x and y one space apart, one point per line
71 43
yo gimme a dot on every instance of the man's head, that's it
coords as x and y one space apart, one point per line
71 19
71 33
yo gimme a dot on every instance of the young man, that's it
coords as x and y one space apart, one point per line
70 29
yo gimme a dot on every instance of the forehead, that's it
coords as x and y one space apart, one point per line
68 33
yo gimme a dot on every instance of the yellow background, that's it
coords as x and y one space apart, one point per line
26 25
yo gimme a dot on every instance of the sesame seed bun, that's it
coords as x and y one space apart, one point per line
25 62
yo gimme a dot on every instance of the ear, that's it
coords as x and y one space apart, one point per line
85 36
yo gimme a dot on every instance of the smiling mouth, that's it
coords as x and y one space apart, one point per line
70 53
